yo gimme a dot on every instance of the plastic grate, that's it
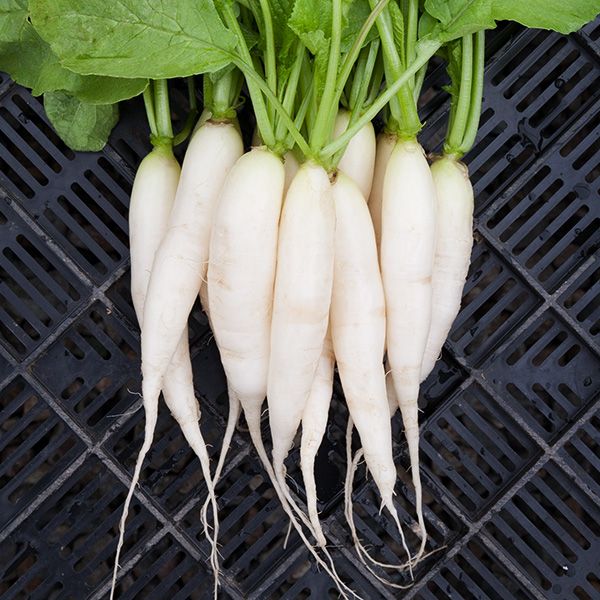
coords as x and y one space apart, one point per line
582 454
582 299
495 301
6 368
69 538
37 291
474 574
525 375
550 531
92 369
548 225
473 450
35 448
167 570
510 413
301 580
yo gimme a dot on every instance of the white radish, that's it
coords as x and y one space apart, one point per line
241 275
385 144
314 424
151 203
301 303
241 279
454 241
357 163
407 251
358 332
358 160
181 261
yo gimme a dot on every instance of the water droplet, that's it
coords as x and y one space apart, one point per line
582 190
587 382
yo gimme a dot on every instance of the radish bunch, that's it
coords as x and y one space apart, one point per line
323 244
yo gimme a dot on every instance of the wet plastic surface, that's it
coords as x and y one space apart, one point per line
511 421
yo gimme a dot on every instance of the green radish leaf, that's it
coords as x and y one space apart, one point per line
459 17
355 13
427 24
284 38
29 60
13 16
462 17
155 38
82 126
311 20
281 12
452 53
398 25
564 16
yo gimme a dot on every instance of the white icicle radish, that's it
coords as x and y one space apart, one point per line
385 144
407 251
358 160
314 424
182 259
151 203
301 302
241 281
454 240
358 333
241 275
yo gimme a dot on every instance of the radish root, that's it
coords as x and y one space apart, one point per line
151 419
277 478
352 466
232 420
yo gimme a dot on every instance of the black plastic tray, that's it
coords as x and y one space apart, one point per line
511 418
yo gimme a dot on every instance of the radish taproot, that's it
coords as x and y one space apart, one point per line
454 240
358 332
241 275
152 198
314 424
301 301
407 253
